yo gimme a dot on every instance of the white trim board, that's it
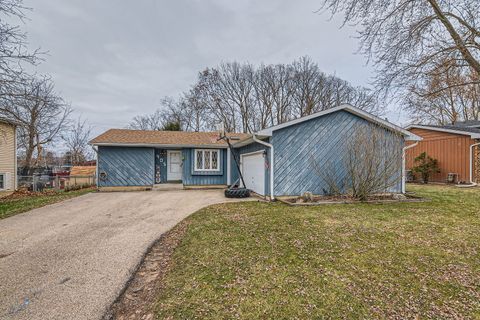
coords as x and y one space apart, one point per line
153 145
472 135
349 108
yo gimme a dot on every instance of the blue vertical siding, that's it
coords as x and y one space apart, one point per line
126 166
322 139
247 149
200 178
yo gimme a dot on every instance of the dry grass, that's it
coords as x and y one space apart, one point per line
273 261
21 202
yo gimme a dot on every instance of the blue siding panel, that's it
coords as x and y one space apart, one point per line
126 166
321 141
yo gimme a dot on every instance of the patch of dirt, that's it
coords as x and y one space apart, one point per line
137 302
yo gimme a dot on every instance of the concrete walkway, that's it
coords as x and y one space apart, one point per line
70 260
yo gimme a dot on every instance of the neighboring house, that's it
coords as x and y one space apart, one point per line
8 155
454 148
144 158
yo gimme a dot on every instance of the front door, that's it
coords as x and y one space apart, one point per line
174 165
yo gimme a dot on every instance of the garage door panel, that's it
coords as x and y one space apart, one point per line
253 170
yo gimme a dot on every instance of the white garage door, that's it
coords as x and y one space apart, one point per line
253 170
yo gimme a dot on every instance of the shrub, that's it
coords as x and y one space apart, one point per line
425 166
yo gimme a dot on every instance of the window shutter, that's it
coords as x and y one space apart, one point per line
8 181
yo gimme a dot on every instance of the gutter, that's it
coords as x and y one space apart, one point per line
272 197
404 164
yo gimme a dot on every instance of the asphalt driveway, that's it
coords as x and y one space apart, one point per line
70 260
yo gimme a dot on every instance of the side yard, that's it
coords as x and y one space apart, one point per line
257 260
18 203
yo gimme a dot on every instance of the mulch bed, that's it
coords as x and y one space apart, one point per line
137 301
344 199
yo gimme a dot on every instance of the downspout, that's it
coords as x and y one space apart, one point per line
96 165
404 179
272 197
15 174
472 184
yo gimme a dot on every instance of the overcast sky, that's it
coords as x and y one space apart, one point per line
115 59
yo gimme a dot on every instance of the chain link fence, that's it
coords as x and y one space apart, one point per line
39 183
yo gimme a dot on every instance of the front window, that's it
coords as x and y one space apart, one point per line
207 160
2 181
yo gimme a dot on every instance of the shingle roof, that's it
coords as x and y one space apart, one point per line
474 133
177 138
461 128
82 171
468 123
456 127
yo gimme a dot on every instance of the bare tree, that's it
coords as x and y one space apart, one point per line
76 139
433 105
13 49
406 39
370 164
245 98
170 112
152 121
42 115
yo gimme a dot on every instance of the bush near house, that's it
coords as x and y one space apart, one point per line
425 166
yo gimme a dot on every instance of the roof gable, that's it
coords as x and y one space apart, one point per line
349 108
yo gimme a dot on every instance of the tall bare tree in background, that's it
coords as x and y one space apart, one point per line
167 116
245 98
459 101
42 115
416 44
13 48
76 140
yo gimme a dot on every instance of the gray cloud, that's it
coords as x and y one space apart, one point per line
115 59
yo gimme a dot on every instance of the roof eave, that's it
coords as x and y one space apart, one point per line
157 145
248 141
472 135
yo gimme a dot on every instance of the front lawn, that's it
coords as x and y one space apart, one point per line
15 204
272 261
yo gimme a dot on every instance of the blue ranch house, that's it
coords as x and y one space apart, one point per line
276 161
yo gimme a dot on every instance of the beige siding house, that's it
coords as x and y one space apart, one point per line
8 155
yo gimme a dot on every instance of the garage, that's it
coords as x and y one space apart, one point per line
253 171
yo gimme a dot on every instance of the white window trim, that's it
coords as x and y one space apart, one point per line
4 181
203 152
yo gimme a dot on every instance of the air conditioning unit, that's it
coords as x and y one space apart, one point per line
452 177
410 177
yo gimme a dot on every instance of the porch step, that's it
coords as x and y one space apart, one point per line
167 187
